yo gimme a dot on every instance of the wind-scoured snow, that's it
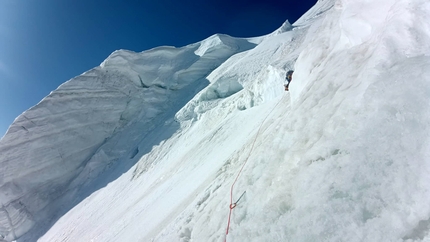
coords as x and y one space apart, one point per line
95 121
343 156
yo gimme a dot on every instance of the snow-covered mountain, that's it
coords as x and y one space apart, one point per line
155 146
97 120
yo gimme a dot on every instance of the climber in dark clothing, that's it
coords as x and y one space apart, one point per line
289 78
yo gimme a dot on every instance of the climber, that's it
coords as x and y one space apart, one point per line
289 78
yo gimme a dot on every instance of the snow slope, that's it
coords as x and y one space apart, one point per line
343 156
95 121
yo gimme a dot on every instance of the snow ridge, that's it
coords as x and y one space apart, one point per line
77 131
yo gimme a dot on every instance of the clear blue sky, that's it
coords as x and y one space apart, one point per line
44 43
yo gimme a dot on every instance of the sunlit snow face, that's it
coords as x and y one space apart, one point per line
347 161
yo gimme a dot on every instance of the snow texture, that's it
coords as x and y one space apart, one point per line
95 121
147 146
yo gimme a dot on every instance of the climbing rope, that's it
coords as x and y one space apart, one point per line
234 204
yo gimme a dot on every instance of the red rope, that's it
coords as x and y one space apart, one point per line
233 205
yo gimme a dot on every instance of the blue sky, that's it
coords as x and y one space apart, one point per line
44 43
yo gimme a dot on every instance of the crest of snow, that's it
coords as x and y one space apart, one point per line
80 129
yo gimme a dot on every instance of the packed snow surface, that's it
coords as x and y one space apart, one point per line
147 146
